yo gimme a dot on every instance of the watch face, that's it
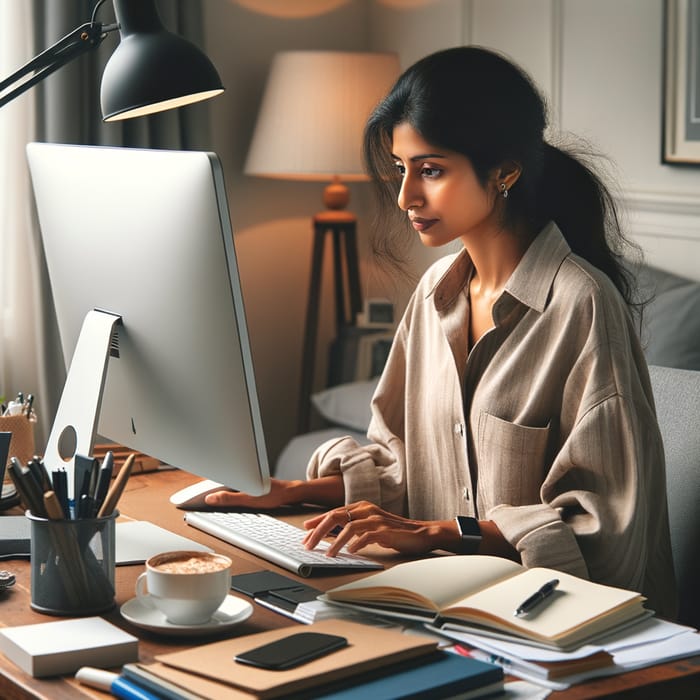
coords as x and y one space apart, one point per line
468 527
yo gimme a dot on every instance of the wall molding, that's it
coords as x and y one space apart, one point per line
666 202
663 214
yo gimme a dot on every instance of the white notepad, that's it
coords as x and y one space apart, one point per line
138 540
63 646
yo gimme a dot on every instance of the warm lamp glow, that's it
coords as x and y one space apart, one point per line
310 127
314 111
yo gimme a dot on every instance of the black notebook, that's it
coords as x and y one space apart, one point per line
14 536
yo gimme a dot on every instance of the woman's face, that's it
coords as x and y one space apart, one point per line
440 191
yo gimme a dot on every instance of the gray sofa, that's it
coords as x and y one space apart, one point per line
671 320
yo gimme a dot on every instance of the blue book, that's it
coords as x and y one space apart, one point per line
443 675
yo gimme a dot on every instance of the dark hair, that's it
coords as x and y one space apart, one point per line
475 102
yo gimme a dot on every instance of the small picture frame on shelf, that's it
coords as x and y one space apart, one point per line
377 313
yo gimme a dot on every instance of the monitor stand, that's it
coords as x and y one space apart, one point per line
74 428
192 497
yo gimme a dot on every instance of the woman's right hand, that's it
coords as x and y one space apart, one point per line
280 494
324 491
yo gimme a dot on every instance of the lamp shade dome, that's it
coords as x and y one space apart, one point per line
152 69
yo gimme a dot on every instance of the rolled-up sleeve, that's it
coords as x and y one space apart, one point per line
374 472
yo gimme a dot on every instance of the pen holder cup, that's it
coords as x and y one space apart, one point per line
72 565
22 441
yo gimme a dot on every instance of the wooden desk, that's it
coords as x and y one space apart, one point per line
146 497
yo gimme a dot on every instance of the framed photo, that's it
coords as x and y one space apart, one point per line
372 351
681 115
378 313
358 354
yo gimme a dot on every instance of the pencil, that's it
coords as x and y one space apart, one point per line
115 491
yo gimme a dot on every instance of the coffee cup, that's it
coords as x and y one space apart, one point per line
187 587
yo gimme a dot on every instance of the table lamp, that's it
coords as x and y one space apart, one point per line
151 69
310 128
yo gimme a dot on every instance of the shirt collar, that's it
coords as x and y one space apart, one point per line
531 280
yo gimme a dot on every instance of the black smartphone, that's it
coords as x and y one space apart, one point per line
294 650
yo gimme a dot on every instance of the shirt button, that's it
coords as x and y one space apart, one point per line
459 429
465 493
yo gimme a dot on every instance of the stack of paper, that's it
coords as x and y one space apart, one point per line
645 643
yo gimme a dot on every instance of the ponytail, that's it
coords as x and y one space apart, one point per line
574 196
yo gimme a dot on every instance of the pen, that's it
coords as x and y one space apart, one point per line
119 686
102 484
59 482
83 479
85 507
31 491
537 597
28 406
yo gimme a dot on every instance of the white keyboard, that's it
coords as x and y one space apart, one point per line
274 540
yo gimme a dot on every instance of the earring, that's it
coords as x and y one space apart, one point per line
504 190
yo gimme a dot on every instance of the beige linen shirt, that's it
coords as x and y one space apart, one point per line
560 446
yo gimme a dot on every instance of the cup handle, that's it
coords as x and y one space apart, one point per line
141 592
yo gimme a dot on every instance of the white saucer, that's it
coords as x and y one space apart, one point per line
231 612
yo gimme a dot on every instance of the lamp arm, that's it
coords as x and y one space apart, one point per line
82 39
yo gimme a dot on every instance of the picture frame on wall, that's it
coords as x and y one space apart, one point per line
681 113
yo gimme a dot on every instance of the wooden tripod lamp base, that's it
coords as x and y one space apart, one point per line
342 225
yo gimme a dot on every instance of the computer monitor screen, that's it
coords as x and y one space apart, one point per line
145 235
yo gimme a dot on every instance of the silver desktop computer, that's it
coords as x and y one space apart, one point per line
143 271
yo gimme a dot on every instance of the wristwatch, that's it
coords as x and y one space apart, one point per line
470 532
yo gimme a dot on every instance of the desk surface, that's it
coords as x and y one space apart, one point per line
146 497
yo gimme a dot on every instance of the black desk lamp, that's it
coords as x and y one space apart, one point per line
150 71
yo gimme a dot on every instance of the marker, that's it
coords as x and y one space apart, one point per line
537 597
119 686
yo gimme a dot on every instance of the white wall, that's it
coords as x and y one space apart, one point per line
272 219
599 62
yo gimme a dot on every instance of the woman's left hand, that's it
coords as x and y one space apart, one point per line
365 523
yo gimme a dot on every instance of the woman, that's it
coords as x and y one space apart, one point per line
516 394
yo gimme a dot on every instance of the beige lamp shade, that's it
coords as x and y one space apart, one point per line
314 111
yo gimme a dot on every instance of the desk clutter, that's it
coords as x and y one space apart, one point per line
17 421
428 649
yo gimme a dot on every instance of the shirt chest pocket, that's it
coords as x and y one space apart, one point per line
511 461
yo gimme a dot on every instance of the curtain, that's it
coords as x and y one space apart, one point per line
65 108
22 339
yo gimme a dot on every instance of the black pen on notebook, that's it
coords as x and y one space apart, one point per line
536 598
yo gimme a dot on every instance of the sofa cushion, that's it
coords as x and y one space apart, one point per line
671 320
